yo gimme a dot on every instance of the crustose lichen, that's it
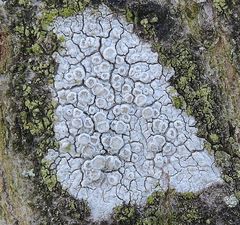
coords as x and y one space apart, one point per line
120 136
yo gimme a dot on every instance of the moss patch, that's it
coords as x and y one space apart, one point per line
171 208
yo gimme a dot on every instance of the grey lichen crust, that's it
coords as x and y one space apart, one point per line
120 136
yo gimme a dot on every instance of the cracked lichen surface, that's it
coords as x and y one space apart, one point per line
119 134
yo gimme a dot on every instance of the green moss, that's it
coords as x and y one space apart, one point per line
237 194
220 5
36 49
66 12
208 146
48 177
19 29
26 89
165 208
214 138
150 200
196 97
178 102
191 216
129 15
188 195
144 22
24 2
223 159
31 104
125 214
154 19
48 17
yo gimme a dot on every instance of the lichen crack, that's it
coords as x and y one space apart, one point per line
120 136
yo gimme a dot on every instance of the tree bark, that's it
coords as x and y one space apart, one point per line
199 39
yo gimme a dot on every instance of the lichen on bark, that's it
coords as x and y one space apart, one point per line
199 39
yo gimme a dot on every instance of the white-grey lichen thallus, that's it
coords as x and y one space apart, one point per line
120 136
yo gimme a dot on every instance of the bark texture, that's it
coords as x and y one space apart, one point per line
200 39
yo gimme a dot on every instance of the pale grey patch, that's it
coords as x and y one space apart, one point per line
120 136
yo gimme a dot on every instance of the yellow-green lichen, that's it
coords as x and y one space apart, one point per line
163 208
129 15
178 102
125 214
24 2
36 49
49 15
48 177
220 5
214 138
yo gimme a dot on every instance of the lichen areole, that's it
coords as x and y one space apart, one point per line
119 134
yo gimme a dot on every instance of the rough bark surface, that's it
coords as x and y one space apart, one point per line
199 39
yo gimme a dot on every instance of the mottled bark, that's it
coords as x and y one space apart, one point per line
198 39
